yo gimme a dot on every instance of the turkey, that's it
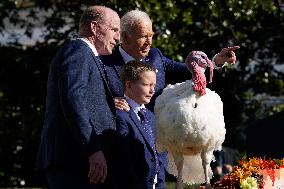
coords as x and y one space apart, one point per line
190 124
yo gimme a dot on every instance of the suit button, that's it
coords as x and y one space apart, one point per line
114 118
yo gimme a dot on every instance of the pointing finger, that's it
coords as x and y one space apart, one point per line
232 48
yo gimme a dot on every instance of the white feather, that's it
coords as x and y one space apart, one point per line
187 125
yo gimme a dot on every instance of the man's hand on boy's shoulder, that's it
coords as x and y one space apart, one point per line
121 103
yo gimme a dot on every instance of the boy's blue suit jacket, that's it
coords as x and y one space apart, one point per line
136 160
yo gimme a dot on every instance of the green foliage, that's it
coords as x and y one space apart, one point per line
180 27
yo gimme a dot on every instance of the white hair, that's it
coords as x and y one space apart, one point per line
130 19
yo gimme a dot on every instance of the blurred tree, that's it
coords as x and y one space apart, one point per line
180 26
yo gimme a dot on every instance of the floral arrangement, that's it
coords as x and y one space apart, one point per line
249 174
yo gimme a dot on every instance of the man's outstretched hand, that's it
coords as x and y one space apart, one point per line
226 55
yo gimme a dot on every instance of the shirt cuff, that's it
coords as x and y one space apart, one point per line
215 65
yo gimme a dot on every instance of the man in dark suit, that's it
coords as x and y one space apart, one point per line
138 163
79 107
136 41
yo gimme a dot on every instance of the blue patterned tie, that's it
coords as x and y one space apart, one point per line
146 126
148 130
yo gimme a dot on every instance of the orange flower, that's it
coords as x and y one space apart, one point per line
247 169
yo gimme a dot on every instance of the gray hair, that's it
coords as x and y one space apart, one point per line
130 19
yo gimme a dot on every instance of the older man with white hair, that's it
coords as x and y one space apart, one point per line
136 40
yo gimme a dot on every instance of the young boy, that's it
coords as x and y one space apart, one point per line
140 165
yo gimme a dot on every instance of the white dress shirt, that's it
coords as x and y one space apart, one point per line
134 105
126 57
92 47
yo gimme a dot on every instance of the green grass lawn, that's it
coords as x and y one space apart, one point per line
171 185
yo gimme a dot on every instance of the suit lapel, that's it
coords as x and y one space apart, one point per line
110 97
112 65
100 66
139 126
119 62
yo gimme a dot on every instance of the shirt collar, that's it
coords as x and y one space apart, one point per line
134 105
126 57
92 47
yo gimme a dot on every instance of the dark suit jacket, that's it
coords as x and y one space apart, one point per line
78 112
136 160
169 72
